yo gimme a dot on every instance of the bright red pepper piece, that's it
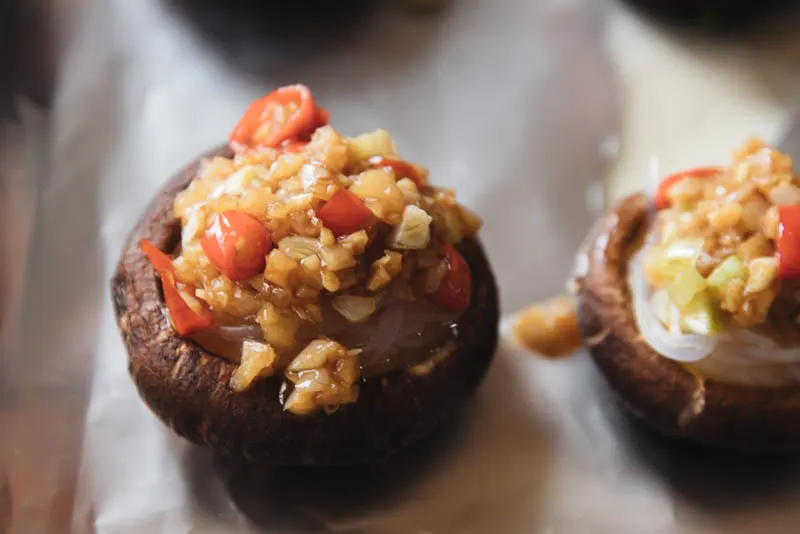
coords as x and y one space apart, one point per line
788 242
322 117
296 145
345 213
160 261
237 244
662 200
402 168
184 319
301 123
455 293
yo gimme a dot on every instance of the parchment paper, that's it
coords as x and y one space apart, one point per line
514 104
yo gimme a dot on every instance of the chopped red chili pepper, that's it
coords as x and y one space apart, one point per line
402 168
259 127
322 117
237 244
184 319
160 261
455 292
345 213
662 200
788 241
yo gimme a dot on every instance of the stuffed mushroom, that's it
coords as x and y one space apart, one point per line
689 304
299 297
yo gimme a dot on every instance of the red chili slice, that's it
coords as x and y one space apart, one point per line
402 168
322 117
160 261
184 319
302 122
295 145
788 242
661 198
237 244
455 293
344 213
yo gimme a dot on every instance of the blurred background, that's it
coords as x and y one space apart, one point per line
538 112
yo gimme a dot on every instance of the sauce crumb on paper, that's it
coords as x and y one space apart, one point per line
549 328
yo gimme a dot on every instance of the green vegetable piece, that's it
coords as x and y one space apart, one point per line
702 316
663 264
686 285
730 269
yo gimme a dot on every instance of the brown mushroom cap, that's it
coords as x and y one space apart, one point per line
660 391
189 388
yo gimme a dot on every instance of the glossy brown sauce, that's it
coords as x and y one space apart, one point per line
397 336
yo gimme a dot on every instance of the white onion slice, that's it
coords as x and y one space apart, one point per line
761 348
240 332
385 334
397 334
678 347
354 308
406 325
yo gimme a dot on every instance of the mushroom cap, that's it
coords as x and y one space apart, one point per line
189 389
660 391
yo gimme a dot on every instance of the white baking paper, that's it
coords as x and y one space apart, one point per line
514 103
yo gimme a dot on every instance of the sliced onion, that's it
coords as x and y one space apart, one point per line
354 308
240 332
397 334
678 347
761 348
390 323
298 247
405 327
742 346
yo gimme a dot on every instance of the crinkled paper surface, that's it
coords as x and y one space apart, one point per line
515 103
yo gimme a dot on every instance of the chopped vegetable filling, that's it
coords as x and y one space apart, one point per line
303 226
727 243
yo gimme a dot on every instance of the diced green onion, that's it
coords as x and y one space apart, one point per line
663 264
685 286
730 269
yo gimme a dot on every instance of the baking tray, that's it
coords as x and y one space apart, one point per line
515 104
